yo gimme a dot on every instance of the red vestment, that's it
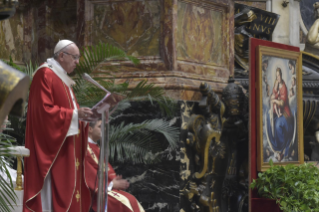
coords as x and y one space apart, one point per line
50 111
118 201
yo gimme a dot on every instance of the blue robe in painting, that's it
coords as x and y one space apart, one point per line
283 126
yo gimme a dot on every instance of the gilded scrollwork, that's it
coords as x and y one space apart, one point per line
210 166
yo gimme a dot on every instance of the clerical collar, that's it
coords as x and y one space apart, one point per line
59 71
91 141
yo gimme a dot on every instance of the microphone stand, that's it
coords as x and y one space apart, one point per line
103 164
104 110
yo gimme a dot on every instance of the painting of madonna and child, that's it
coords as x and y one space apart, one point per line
279 110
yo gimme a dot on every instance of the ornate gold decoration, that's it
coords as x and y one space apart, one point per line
19 174
14 89
209 169
77 164
77 196
7 9
96 160
185 173
203 140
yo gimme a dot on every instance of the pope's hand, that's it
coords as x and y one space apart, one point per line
85 112
119 183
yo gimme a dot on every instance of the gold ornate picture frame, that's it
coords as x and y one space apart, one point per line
279 115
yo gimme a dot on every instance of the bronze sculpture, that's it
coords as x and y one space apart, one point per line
214 178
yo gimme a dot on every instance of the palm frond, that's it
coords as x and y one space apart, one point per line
143 89
7 194
93 56
163 127
29 69
134 141
88 95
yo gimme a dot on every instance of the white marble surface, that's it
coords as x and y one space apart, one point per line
294 11
281 32
268 5
19 151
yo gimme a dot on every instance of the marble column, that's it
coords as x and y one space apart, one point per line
294 13
268 5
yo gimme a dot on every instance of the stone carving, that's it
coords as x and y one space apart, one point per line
315 148
213 171
312 44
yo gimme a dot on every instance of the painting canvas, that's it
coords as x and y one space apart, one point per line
279 107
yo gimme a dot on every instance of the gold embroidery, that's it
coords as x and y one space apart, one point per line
78 133
77 164
93 155
77 196
95 158
123 199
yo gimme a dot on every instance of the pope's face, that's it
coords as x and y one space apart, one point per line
69 58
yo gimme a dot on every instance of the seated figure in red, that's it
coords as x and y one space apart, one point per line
118 200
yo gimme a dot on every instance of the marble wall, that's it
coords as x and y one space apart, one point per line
36 27
180 42
12 39
133 26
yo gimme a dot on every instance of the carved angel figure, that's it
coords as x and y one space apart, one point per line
313 34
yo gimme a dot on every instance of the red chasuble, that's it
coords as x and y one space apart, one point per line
49 116
118 201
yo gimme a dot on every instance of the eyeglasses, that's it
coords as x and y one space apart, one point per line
75 57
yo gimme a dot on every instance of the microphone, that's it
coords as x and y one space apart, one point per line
89 79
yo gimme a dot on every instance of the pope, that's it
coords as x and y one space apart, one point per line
56 137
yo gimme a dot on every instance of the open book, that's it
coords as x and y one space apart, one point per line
111 99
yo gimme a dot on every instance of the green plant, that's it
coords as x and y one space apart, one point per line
7 194
132 142
128 141
28 69
93 58
295 188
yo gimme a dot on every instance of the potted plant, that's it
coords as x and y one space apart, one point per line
295 188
